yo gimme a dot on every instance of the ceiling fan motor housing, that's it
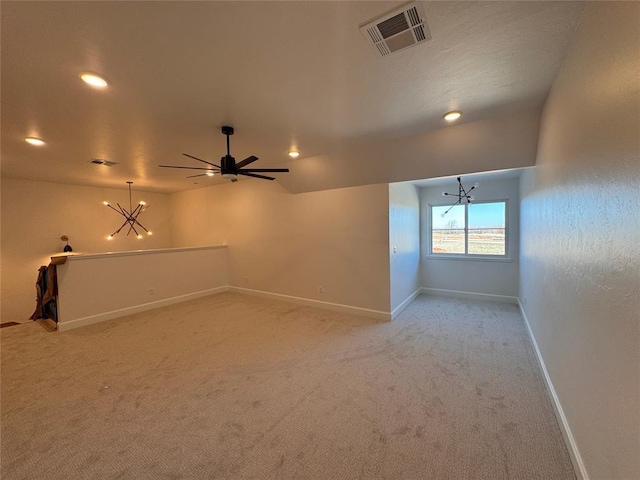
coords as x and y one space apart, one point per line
227 164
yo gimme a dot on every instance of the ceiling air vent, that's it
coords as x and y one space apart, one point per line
99 161
397 30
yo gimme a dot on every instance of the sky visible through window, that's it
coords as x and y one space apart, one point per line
486 215
481 215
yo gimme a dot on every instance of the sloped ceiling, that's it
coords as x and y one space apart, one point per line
284 74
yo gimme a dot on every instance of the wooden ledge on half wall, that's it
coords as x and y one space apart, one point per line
61 258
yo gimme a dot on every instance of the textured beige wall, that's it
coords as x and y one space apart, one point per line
36 214
292 244
580 254
404 241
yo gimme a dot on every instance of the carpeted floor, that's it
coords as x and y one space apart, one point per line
238 387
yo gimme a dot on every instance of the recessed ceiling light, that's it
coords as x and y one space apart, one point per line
93 80
294 153
452 116
34 141
209 174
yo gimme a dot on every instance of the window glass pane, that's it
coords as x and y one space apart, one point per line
453 219
487 228
447 230
447 241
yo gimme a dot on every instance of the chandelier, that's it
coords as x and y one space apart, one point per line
130 216
462 195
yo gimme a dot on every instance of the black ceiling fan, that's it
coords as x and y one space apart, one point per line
228 167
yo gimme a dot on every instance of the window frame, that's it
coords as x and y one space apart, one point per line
469 256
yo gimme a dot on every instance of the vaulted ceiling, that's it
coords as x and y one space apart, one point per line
285 75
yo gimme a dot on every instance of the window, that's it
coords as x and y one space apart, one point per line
469 230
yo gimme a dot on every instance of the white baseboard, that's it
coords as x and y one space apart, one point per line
81 322
365 312
470 295
398 310
574 453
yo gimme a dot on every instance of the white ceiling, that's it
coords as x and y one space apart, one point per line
284 74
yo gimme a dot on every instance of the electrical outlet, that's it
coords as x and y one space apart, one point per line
320 289
395 249
246 279
152 291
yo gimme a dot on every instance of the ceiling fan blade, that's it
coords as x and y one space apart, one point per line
264 170
199 175
254 175
246 161
200 160
189 168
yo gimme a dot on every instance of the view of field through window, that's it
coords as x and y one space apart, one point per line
484 234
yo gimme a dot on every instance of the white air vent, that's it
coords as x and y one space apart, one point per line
99 161
397 30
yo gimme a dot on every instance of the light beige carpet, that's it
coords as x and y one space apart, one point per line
232 386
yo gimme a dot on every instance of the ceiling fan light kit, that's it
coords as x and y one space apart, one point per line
228 167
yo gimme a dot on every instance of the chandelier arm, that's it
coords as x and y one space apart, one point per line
135 212
135 220
114 209
452 206
123 212
130 228
142 226
121 227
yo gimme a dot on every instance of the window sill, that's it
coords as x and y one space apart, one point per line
470 259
